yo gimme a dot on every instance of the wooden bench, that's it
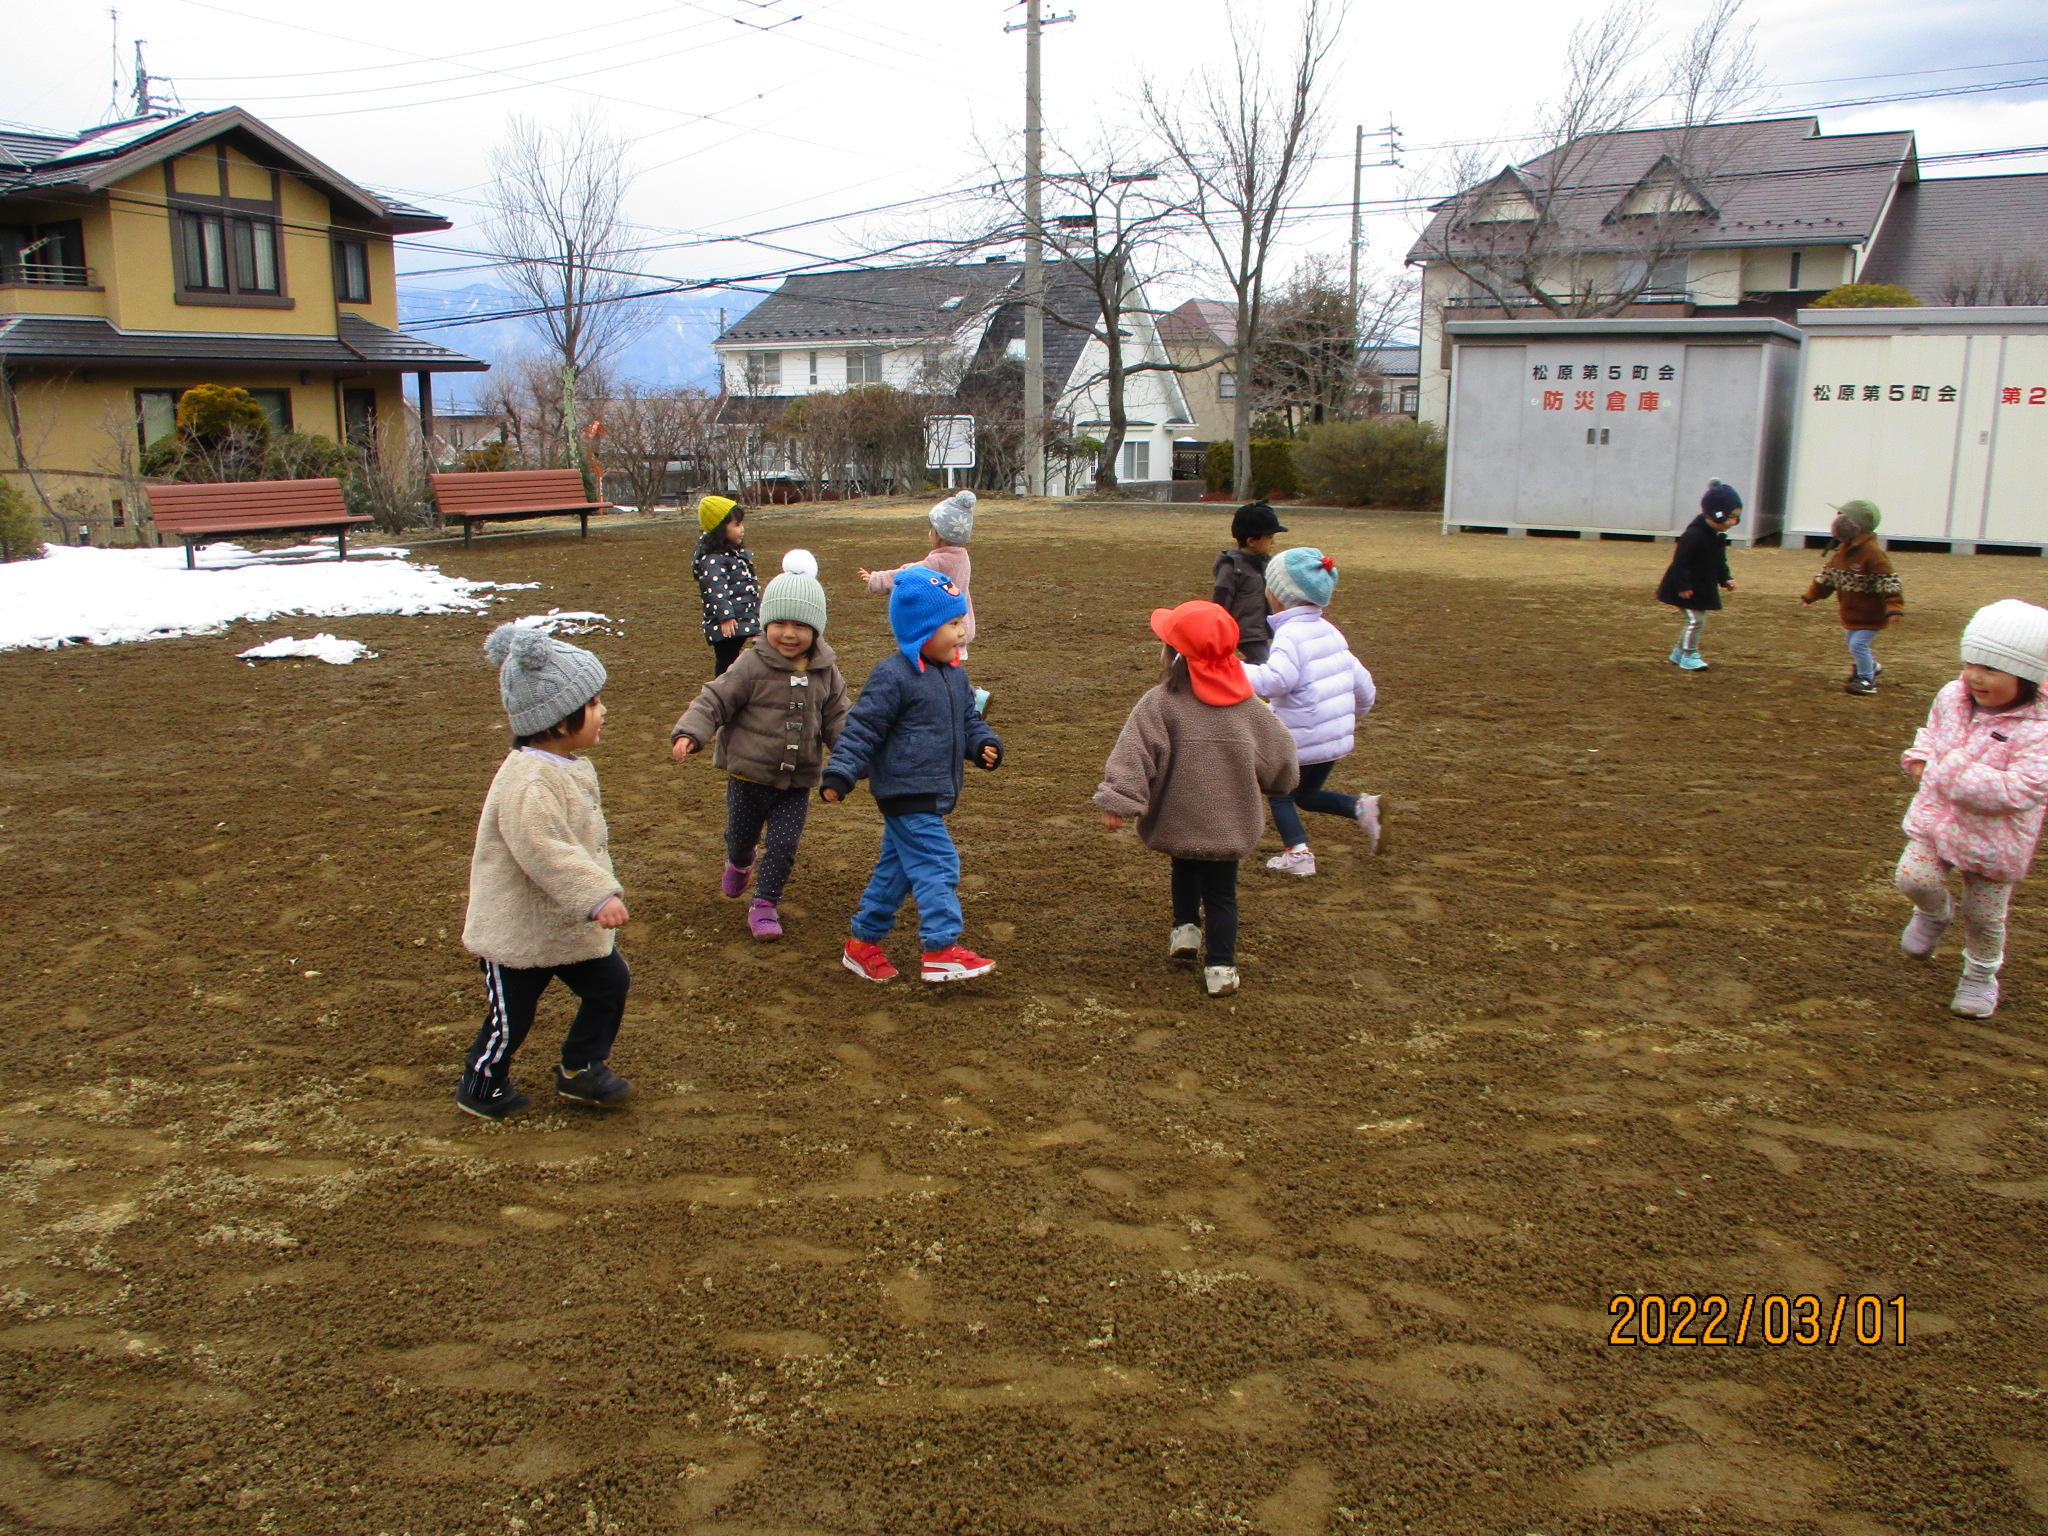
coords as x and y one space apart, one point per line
252 506
505 495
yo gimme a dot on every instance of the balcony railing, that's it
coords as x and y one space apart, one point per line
1658 295
44 274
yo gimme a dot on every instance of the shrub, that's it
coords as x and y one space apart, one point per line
210 412
1273 468
1388 461
304 456
488 458
1867 296
21 529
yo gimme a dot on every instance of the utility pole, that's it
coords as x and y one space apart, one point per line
1034 255
1358 168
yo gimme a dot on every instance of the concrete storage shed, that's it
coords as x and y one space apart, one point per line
1940 416
1615 426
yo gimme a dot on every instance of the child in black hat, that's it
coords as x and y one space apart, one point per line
1241 578
1699 570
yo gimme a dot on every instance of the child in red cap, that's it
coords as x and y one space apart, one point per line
1194 763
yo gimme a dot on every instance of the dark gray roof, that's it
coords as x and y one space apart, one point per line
1967 240
1393 362
875 304
1067 292
1775 182
81 340
97 158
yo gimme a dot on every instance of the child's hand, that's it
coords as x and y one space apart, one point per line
727 626
1727 586
862 571
1686 593
829 794
1805 601
612 914
1915 769
1893 618
989 756
1111 822
683 748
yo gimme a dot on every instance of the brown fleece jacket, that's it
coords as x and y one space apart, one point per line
1863 582
1196 775
542 865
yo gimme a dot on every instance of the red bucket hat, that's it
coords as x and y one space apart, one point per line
1206 636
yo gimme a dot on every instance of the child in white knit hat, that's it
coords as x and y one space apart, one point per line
951 526
543 901
1981 763
775 715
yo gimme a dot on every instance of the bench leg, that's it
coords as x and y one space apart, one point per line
341 543
468 525
584 519
190 564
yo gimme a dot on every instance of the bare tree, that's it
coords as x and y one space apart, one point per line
1315 364
558 195
1243 140
2011 277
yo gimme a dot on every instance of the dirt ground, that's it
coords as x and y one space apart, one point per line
1618 1013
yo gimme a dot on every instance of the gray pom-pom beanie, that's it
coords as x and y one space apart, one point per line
542 680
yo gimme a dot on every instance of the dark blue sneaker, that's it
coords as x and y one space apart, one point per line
594 1084
506 1101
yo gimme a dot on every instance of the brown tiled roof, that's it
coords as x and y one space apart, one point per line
1209 321
1946 232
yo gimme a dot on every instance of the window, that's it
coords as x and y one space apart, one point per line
1226 386
1137 461
156 411
359 418
1411 397
277 405
814 370
352 271
764 371
1652 279
227 253
45 255
863 366
1793 282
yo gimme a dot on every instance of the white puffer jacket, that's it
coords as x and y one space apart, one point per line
1317 686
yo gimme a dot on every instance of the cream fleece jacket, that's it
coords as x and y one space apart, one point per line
542 865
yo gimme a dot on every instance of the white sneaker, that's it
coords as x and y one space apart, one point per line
1922 934
1293 861
1219 980
1184 943
1977 993
1369 821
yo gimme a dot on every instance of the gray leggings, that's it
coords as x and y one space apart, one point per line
1695 622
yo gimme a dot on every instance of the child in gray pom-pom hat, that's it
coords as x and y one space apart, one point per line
952 525
543 900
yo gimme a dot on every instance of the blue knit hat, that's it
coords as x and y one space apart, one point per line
923 600
1302 575
1721 499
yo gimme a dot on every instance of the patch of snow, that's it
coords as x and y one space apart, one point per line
575 622
320 647
100 596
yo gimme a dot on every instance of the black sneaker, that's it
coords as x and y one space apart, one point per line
594 1084
506 1101
1862 687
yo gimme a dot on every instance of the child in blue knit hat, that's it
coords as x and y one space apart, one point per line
909 734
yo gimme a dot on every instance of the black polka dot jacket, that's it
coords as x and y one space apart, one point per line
726 581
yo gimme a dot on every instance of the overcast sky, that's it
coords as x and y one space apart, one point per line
750 114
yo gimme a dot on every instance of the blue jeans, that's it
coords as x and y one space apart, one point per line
1861 656
1309 795
917 860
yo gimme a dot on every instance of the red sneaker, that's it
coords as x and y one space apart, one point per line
954 964
867 961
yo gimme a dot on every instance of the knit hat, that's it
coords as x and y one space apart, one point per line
795 594
542 680
1302 576
1254 520
1206 637
1861 516
713 510
2011 636
953 518
1721 499
920 602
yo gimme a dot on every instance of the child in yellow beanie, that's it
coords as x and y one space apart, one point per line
724 569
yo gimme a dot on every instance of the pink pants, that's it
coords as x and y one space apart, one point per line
1923 878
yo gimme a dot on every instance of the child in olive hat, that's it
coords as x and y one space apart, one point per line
1865 586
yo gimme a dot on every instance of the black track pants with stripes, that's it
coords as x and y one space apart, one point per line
600 986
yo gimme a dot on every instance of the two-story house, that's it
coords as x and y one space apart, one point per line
940 331
1746 218
142 258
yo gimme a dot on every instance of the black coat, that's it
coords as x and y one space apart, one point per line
1698 565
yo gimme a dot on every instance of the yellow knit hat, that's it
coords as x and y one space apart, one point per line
713 510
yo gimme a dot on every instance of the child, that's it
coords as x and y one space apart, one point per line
543 900
1318 689
1241 577
1981 762
725 580
775 713
952 525
1865 586
1699 572
1191 763
911 729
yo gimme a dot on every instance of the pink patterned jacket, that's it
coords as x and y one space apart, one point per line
1985 788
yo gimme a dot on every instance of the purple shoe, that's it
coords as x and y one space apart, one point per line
734 881
763 921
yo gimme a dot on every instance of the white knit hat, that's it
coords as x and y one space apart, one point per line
2011 636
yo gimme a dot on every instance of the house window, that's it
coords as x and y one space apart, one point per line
863 366
352 271
814 370
1411 398
156 411
1793 281
227 253
45 255
764 371
277 405
1664 277
1137 461
359 418
1226 386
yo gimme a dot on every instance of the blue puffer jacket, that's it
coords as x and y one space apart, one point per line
909 734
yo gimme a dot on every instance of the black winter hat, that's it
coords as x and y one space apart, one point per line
1721 499
1254 520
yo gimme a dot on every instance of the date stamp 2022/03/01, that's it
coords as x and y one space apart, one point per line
1660 1320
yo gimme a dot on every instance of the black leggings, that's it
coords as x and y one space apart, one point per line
600 985
1210 884
725 652
750 807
